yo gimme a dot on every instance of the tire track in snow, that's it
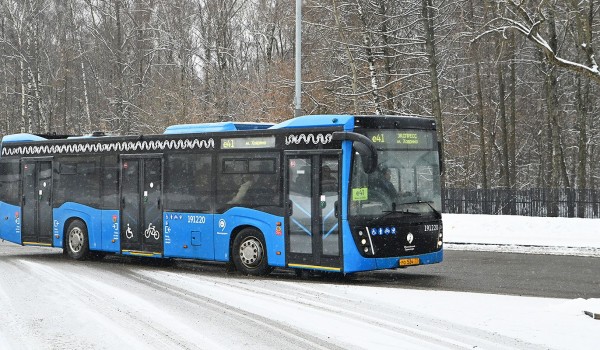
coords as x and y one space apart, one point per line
312 314
101 304
289 337
381 318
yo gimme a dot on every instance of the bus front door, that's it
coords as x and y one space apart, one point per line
313 239
36 203
141 213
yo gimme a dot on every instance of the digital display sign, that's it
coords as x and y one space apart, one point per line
248 142
401 139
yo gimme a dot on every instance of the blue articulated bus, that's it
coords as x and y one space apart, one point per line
333 193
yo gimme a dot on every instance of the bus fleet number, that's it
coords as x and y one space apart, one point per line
196 219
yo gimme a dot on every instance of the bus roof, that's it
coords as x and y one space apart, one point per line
22 137
214 127
347 121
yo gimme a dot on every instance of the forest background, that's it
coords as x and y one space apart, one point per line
513 84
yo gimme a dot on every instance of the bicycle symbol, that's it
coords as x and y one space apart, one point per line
151 231
129 233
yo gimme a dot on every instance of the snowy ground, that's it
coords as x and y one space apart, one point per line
47 302
521 234
556 323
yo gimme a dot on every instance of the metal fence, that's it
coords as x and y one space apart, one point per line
532 202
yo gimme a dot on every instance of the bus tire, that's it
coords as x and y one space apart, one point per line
76 241
249 254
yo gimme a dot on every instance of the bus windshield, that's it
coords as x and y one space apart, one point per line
406 182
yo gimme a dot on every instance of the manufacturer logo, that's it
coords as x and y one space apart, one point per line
409 238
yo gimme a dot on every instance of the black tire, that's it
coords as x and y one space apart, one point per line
249 254
76 241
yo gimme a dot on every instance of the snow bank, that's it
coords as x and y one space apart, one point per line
522 234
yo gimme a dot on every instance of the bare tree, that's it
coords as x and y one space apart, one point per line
528 19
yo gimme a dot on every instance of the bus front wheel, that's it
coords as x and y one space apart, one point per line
249 253
77 245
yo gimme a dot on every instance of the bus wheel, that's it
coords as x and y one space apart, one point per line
249 254
77 240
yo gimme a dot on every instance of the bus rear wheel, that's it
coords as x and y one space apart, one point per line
77 244
249 253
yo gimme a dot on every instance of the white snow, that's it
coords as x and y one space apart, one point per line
48 302
522 234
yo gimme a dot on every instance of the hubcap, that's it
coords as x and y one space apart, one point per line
76 239
251 252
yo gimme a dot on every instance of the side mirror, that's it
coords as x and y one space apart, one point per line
364 147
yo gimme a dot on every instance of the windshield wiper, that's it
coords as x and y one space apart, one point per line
394 211
438 215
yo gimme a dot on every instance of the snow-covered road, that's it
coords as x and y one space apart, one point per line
50 302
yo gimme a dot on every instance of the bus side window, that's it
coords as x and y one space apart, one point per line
110 182
250 182
78 182
9 182
187 182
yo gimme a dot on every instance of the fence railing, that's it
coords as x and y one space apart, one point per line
532 202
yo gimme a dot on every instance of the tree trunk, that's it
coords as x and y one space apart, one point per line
427 12
86 101
24 116
370 59
480 112
503 124
351 61
582 96
387 61
512 147
122 121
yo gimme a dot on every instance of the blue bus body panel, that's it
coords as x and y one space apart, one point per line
353 261
10 222
103 225
317 121
425 259
110 231
227 222
188 235
214 127
23 137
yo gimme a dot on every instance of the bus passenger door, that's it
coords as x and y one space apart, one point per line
141 209
36 203
313 238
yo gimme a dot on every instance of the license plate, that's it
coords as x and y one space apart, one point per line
409 262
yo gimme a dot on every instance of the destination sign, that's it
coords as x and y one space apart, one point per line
402 139
248 142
